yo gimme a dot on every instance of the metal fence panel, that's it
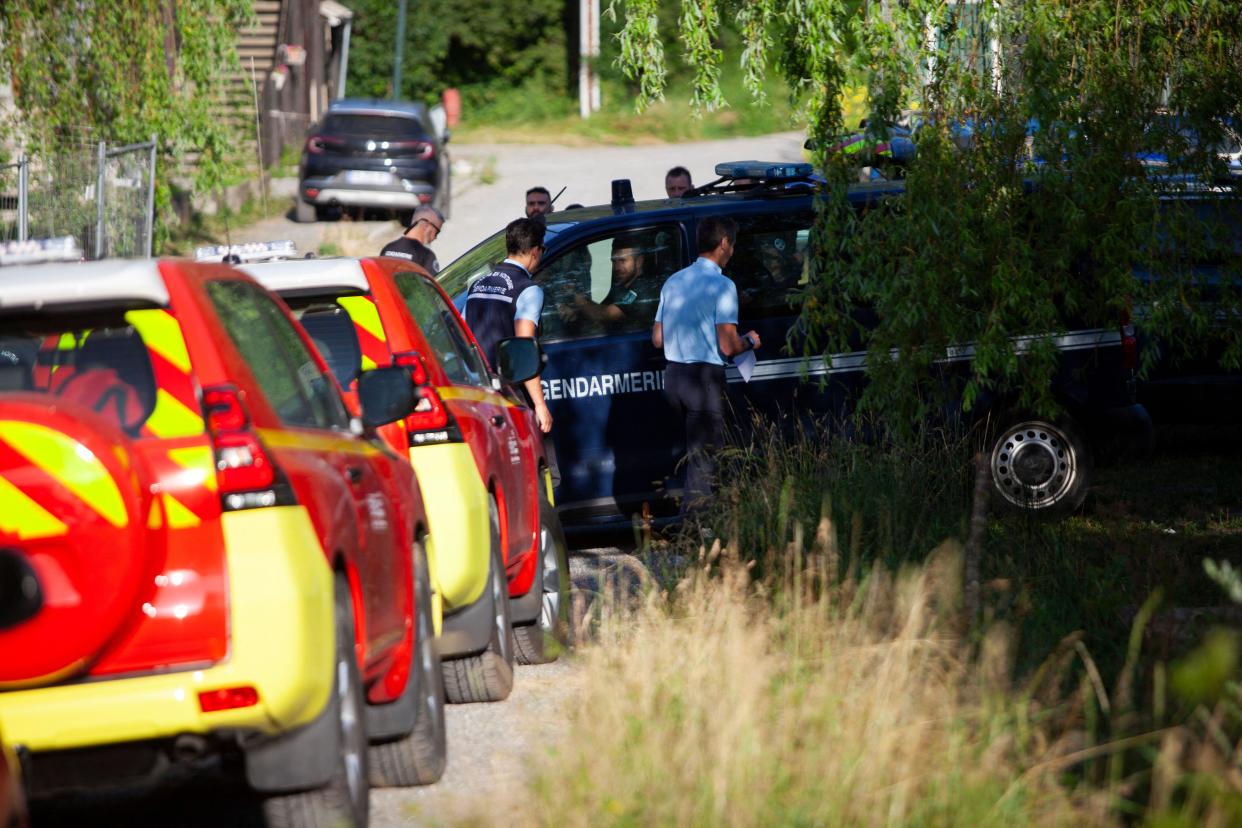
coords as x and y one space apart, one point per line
103 197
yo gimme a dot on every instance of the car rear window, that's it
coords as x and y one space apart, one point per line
377 127
131 367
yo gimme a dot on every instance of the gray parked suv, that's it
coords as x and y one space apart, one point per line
373 154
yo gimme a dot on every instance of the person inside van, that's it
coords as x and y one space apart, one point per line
631 292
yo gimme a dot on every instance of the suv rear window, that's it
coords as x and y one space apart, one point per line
377 127
131 367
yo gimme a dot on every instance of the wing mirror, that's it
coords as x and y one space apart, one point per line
519 358
386 395
21 597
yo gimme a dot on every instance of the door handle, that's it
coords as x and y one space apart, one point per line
354 473
498 421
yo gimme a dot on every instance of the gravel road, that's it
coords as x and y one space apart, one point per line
479 209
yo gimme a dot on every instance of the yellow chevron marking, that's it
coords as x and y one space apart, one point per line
70 463
199 459
179 517
171 418
365 315
155 517
368 363
161 332
21 516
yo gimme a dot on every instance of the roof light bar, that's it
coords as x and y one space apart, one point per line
59 249
765 170
248 252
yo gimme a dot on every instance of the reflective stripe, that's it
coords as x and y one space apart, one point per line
171 418
71 464
21 516
494 296
459 392
161 333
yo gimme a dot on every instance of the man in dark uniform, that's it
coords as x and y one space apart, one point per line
507 302
425 227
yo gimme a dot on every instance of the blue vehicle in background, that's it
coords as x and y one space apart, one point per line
618 443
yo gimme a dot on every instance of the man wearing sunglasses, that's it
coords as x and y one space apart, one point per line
425 226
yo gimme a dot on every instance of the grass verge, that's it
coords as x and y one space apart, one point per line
819 670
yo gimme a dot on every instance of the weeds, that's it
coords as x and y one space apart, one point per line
828 675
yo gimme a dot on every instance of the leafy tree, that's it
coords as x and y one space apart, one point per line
1033 200
484 48
122 71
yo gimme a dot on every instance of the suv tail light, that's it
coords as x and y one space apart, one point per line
421 150
1129 347
319 143
431 422
245 473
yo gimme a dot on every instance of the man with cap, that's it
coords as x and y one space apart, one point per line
425 226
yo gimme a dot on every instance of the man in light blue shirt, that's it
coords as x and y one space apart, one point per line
696 325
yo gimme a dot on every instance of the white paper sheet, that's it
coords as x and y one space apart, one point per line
745 364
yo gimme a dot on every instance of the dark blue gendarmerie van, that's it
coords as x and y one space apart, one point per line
618 443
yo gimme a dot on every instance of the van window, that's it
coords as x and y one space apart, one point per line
770 262
610 284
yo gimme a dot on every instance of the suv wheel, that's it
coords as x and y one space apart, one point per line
344 800
541 641
304 212
1041 467
488 676
418 758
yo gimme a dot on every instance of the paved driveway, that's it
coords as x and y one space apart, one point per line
479 208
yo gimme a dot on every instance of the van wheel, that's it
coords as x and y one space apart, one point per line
1041 467
488 676
541 641
418 758
345 799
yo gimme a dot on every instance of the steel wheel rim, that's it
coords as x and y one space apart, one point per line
432 704
351 728
500 586
549 614
1034 465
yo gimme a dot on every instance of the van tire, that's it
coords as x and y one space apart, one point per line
1039 467
345 799
487 676
419 757
542 640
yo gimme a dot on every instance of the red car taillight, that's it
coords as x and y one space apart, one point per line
246 476
228 698
319 143
431 421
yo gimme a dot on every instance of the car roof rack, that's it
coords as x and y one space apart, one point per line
247 253
758 177
35 251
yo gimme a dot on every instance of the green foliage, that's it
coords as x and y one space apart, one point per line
1005 230
485 49
119 72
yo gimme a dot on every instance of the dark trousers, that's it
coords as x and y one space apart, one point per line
696 392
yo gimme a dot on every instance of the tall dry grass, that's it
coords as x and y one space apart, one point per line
727 702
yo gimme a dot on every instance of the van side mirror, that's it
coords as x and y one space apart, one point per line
21 597
519 358
386 395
